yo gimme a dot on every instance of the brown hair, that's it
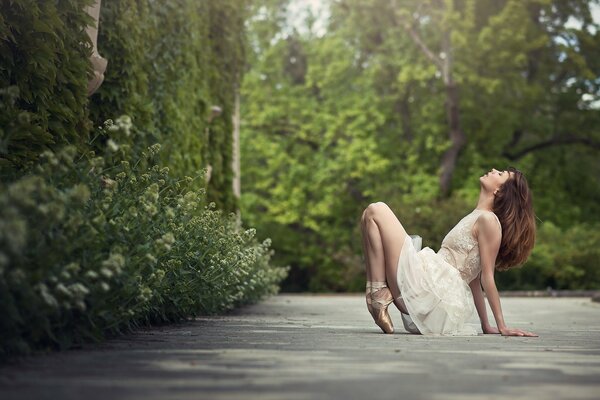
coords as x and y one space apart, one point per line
513 206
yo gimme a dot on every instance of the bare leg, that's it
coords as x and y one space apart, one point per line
383 237
365 245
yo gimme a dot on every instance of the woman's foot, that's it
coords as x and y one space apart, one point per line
381 298
407 321
409 325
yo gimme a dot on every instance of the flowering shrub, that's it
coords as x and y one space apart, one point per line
97 244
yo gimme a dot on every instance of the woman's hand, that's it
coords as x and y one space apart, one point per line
490 330
516 332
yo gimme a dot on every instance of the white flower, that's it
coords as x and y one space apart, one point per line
62 289
169 212
97 162
151 258
151 193
80 305
154 149
91 274
106 272
78 289
72 267
115 263
80 193
168 238
150 208
46 296
145 295
124 123
112 145
108 123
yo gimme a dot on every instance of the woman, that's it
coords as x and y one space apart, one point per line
435 292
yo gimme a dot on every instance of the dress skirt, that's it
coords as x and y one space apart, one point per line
438 300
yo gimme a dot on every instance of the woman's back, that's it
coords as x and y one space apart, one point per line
460 249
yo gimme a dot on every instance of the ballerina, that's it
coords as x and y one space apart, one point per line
435 292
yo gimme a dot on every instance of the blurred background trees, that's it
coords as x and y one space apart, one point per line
409 102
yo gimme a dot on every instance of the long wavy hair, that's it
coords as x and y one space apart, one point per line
513 205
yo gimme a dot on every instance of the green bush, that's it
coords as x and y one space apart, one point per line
169 62
44 51
96 244
561 259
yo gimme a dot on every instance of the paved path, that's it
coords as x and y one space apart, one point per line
326 347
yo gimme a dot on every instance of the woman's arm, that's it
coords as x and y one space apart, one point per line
489 235
479 300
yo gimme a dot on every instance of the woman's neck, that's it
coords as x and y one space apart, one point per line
486 201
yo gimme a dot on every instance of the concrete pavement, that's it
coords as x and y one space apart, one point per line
327 347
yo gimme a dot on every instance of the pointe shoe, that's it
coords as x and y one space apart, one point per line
380 300
408 323
369 306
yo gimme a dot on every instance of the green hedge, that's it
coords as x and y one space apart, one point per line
168 63
99 231
96 244
44 52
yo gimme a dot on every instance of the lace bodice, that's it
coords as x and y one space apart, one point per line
460 249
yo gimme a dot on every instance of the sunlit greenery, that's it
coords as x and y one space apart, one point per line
363 112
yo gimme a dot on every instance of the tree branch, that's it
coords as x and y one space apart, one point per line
287 132
419 42
555 141
408 27
516 138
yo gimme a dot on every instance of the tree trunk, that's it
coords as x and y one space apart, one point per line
235 160
444 63
456 135
403 109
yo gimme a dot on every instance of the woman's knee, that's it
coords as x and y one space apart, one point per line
374 209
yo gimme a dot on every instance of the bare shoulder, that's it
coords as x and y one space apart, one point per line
488 224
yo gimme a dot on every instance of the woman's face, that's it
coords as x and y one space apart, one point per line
493 179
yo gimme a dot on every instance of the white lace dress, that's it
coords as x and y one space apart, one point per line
435 287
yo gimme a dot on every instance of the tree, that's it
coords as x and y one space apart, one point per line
409 103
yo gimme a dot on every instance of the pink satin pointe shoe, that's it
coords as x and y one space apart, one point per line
380 300
369 306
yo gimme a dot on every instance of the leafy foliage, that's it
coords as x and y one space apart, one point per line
169 63
306 163
92 245
357 114
99 231
44 55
